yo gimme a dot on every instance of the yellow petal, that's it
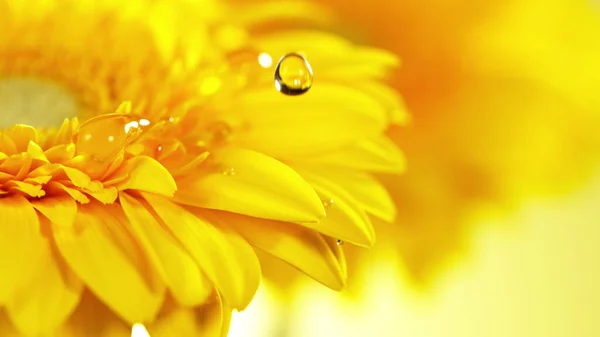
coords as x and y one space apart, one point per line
61 210
19 228
54 187
106 195
146 174
44 301
345 219
78 178
178 270
36 152
35 191
17 165
105 257
7 146
7 329
251 183
208 320
213 250
301 247
389 98
60 153
281 12
333 56
93 319
374 155
335 246
22 135
344 115
366 191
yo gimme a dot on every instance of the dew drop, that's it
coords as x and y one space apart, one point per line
293 75
229 172
102 137
340 242
327 203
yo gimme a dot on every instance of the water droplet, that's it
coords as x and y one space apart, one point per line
293 75
102 137
327 203
229 172
340 242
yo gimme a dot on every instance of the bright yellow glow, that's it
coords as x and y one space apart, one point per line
530 273
261 318
265 60
210 85
139 330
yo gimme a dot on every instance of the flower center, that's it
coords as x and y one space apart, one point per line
33 101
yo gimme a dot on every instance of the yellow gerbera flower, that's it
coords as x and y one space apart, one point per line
186 161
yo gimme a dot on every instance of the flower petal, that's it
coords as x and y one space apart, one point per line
216 252
19 230
93 319
61 210
43 302
334 56
178 270
366 191
146 174
301 247
106 258
344 115
345 219
22 135
373 155
207 321
250 183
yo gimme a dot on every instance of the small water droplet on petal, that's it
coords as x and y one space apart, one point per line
340 242
293 75
229 172
327 203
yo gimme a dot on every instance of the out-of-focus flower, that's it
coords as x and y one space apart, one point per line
188 159
504 99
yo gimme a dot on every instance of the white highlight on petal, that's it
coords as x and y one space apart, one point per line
265 60
139 330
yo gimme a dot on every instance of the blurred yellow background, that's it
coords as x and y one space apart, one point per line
498 224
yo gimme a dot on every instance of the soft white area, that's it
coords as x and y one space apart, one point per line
533 273
35 102
139 330
261 318
265 60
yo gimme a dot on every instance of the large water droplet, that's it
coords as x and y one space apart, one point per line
102 137
293 75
